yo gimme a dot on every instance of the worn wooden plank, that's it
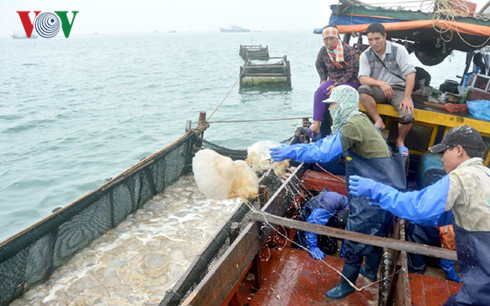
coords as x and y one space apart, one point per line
313 180
222 278
217 284
403 294
395 244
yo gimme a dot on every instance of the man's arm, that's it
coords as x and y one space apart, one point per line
416 206
407 104
385 87
366 79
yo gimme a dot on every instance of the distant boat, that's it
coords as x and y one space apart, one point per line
17 35
234 29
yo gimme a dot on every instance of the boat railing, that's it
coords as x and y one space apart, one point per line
32 255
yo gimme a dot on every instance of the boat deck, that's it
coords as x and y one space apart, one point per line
298 279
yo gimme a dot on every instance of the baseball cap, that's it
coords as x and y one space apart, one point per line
465 136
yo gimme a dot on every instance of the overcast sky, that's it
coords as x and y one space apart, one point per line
111 16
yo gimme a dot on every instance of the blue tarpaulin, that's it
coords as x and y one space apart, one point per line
479 109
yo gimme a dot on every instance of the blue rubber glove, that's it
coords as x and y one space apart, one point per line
415 206
283 152
448 267
322 151
316 253
318 216
361 187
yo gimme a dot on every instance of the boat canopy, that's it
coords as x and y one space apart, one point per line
422 31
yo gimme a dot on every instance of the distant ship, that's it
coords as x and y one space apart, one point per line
17 35
234 29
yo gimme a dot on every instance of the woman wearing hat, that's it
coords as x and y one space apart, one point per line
336 64
367 155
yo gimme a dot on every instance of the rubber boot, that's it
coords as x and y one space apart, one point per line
370 268
448 267
343 289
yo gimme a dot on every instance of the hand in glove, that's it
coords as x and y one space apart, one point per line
448 267
283 152
316 253
361 187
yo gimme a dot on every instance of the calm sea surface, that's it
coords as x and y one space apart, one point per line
76 111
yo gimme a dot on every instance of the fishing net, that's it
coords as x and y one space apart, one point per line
217 247
32 255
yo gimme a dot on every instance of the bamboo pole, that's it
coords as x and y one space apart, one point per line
411 247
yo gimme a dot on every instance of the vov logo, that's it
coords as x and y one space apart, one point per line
47 24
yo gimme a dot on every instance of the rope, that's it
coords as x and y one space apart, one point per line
447 11
324 170
226 96
256 120
323 261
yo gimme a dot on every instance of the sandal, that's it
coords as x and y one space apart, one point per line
403 151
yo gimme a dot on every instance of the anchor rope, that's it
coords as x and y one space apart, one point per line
257 120
266 223
225 97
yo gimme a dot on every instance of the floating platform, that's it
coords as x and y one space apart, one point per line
274 72
254 52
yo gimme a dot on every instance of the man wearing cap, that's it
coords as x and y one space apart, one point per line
368 155
466 191
336 64
387 76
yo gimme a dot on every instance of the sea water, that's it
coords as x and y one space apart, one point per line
77 111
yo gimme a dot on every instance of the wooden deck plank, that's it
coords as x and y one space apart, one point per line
292 277
287 278
428 290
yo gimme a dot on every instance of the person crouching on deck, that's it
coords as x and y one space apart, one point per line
327 208
466 191
336 64
367 154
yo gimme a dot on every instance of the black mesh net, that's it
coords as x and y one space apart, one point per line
32 255
217 247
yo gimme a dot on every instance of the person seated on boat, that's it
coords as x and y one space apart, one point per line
436 233
367 154
387 76
466 191
327 208
336 64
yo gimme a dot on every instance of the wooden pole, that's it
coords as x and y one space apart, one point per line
202 125
395 244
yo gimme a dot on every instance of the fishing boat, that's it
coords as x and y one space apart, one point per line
234 29
262 267
432 36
